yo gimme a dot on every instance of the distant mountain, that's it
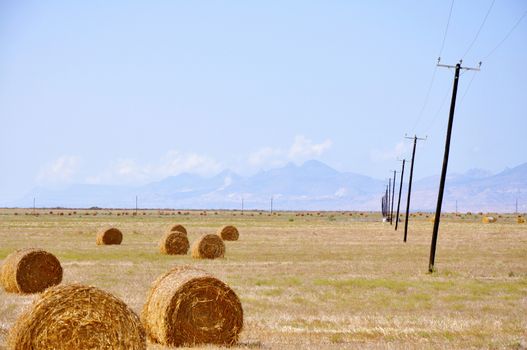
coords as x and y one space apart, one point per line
310 186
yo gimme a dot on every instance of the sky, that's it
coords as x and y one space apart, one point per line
129 92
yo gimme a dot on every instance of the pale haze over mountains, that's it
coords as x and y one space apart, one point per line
310 186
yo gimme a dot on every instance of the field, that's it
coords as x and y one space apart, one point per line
310 280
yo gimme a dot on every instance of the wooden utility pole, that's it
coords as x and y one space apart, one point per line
393 196
415 138
399 200
389 199
242 205
271 205
445 161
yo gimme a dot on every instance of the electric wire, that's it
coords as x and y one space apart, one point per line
491 52
427 96
479 30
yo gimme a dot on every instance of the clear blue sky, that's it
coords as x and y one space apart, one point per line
132 91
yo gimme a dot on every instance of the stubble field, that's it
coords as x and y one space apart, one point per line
310 281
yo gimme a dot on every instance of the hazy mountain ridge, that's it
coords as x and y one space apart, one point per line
310 186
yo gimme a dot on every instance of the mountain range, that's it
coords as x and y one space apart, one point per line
310 186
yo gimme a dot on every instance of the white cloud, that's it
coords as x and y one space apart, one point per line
172 163
175 162
61 170
393 153
302 149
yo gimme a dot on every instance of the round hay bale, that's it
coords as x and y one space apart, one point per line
109 236
174 243
520 220
187 306
208 247
489 219
178 228
229 233
30 271
77 317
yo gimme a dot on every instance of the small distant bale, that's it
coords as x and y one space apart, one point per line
107 236
174 243
489 219
208 247
77 317
520 220
178 228
229 233
187 307
30 271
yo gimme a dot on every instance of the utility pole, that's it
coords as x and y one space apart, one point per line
271 205
393 196
389 199
34 209
135 205
445 160
415 138
242 205
399 200
456 206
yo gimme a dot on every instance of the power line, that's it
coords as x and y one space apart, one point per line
427 96
479 30
446 29
506 36
468 87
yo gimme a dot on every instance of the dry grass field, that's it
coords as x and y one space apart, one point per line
309 281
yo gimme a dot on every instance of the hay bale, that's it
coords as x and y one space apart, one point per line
489 219
187 306
77 317
109 236
30 271
208 247
229 233
520 220
178 228
174 243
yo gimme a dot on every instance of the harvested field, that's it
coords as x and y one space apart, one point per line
321 281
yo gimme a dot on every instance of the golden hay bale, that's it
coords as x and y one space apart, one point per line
187 306
109 236
229 233
520 220
174 243
489 219
77 317
178 228
208 247
30 271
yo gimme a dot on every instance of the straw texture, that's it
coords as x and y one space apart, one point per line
187 306
77 317
30 271
208 247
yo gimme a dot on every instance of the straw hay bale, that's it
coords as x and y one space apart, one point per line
489 219
208 247
174 243
109 236
178 228
30 271
229 233
187 306
77 317
520 220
